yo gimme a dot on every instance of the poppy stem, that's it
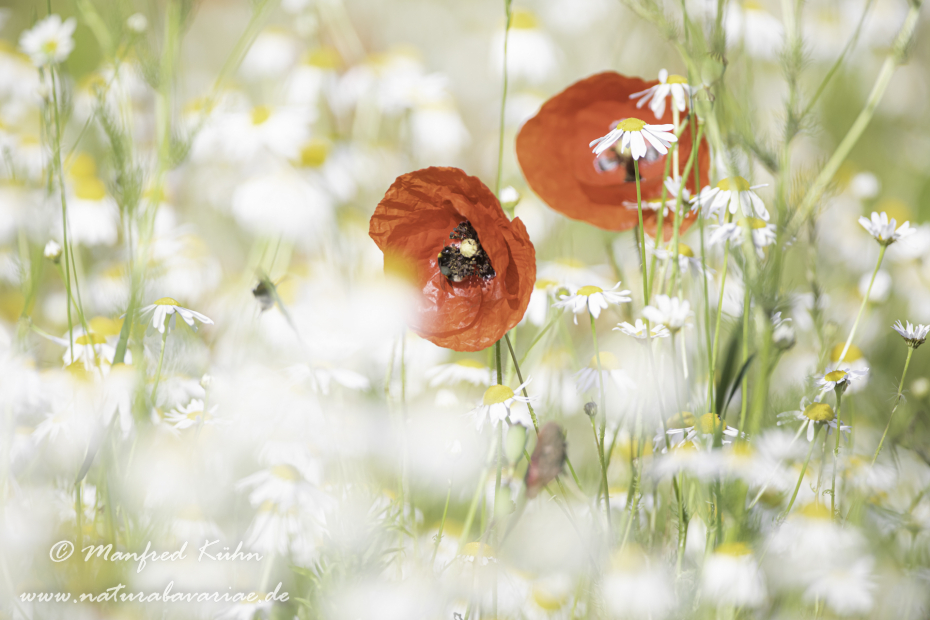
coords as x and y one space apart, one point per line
442 524
907 362
513 356
642 233
711 396
500 146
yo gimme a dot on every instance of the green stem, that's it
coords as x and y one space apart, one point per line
600 454
865 300
642 233
500 146
516 366
161 357
895 58
836 448
711 396
807 461
603 406
907 362
442 525
744 389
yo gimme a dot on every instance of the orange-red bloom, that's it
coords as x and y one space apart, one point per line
475 267
558 164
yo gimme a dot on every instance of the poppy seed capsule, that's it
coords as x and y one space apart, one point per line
468 248
547 460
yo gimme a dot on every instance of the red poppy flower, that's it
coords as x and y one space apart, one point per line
558 164
475 267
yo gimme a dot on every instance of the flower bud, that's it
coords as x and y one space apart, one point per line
590 409
509 198
784 336
138 23
547 460
53 251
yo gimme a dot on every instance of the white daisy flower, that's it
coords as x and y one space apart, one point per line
674 85
846 588
190 415
686 258
883 229
732 577
672 186
812 414
593 299
731 194
49 41
496 406
707 425
632 133
672 312
841 377
914 335
763 233
587 378
460 371
638 330
322 376
168 307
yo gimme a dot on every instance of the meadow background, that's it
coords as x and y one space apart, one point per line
204 148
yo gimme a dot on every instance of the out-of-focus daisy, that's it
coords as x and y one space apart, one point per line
637 588
732 577
763 233
541 299
672 312
749 24
632 133
707 425
531 53
593 299
191 414
883 229
845 588
639 331
496 406
687 261
731 194
460 371
674 85
588 380
322 376
168 307
49 41
810 415
281 202
914 335
841 377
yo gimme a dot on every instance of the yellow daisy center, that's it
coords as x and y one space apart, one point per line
735 549
89 188
284 471
753 222
819 412
314 153
470 363
631 124
676 79
324 58
589 290
167 301
609 361
260 114
475 549
852 354
709 423
497 394
522 19
544 284
816 510
738 184
550 601
685 250
836 375
104 326
91 338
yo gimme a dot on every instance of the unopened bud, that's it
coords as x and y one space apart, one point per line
590 409
921 387
547 460
53 251
206 381
784 336
510 198
138 23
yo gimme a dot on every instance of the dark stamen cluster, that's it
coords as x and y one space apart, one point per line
455 262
